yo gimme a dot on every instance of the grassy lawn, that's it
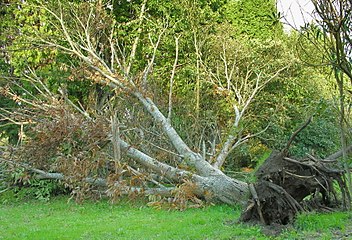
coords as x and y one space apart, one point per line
59 219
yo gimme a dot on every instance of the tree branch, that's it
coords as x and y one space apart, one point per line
164 169
172 80
136 40
339 153
294 135
192 158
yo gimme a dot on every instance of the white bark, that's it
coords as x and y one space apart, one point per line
173 72
218 187
163 169
215 189
222 188
245 98
136 40
203 167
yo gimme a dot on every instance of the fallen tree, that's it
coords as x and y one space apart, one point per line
285 186
76 36
59 121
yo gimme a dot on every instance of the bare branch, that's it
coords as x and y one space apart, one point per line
152 60
115 131
234 139
151 163
338 154
40 174
172 79
136 40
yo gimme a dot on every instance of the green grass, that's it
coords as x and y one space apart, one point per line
336 225
58 219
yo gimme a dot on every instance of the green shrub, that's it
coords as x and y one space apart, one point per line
19 186
41 190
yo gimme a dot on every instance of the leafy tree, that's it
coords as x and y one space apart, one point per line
7 37
255 18
330 32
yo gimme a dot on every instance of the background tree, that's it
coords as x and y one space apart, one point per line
8 33
330 32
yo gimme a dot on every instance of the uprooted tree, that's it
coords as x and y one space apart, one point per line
105 148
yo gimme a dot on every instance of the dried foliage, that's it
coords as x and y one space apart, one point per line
183 197
65 142
63 136
61 140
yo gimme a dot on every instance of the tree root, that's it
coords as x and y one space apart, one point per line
287 186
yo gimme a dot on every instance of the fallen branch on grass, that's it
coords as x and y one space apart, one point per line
97 182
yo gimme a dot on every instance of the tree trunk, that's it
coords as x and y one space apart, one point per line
221 188
213 187
217 188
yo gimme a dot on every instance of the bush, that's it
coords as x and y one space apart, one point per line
19 186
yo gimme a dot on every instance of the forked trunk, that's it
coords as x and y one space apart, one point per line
211 183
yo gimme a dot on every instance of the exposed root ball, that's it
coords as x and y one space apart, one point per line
284 184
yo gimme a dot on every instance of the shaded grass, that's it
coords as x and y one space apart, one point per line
58 219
